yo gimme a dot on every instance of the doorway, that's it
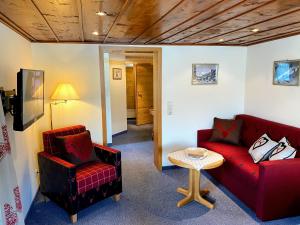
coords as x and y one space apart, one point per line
139 86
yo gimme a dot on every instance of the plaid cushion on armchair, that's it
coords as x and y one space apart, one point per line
94 175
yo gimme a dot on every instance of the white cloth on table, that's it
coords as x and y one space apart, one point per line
197 164
10 200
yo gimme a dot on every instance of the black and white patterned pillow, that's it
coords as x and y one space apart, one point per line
283 150
262 148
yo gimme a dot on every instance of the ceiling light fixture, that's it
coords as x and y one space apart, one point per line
255 30
95 33
101 13
221 40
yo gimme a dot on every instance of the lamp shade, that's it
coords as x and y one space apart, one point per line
64 91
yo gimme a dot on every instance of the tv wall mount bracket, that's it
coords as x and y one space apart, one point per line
7 97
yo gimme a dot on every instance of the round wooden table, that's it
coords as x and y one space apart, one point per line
193 193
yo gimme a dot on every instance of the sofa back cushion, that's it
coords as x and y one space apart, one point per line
254 127
225 130
49 138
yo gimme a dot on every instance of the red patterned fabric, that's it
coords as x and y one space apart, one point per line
57 160
10 200
106 148
11 217
18 199
270 188
94 175
49 137
4 147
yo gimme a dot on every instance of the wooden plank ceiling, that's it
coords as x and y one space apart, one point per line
171 22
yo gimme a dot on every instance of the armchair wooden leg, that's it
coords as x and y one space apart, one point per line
116 197
73 218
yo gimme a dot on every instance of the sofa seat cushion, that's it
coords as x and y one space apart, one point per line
92 175
237 161
244 169
227 150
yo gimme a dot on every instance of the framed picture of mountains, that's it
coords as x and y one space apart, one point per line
286 72
204 73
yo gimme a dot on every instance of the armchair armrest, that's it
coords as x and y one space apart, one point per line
110 156
56 175
278 189
203 135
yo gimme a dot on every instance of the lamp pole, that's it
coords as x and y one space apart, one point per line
54 103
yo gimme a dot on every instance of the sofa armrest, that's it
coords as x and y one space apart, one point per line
203 135
110 156
278 189
56 175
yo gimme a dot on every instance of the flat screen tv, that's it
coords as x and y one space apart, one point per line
29 102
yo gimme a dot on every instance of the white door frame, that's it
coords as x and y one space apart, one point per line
157 95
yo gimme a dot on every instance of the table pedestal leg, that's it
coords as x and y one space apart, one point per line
193 193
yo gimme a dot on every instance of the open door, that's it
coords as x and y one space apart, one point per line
144 93
130 92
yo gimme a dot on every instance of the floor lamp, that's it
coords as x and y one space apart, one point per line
62 94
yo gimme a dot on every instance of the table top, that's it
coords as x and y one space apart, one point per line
181 158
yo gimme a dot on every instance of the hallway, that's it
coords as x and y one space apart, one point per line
135 134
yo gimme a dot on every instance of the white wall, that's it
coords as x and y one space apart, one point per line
78 65
16 54
263 99
118 98
107 98
195 106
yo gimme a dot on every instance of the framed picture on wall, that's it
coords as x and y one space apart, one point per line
117 74
286 72
205 74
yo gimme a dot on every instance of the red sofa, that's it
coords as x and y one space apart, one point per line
270 188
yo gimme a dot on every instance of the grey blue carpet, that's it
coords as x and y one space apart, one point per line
149 197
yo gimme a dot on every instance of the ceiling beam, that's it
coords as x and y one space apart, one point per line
271 38
117 43
12 25
261 32
80 18
174 7
251 25
177 25
224 21
124 7
189 27
45 20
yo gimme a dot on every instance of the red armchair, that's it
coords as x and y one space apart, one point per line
75 188
270 188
